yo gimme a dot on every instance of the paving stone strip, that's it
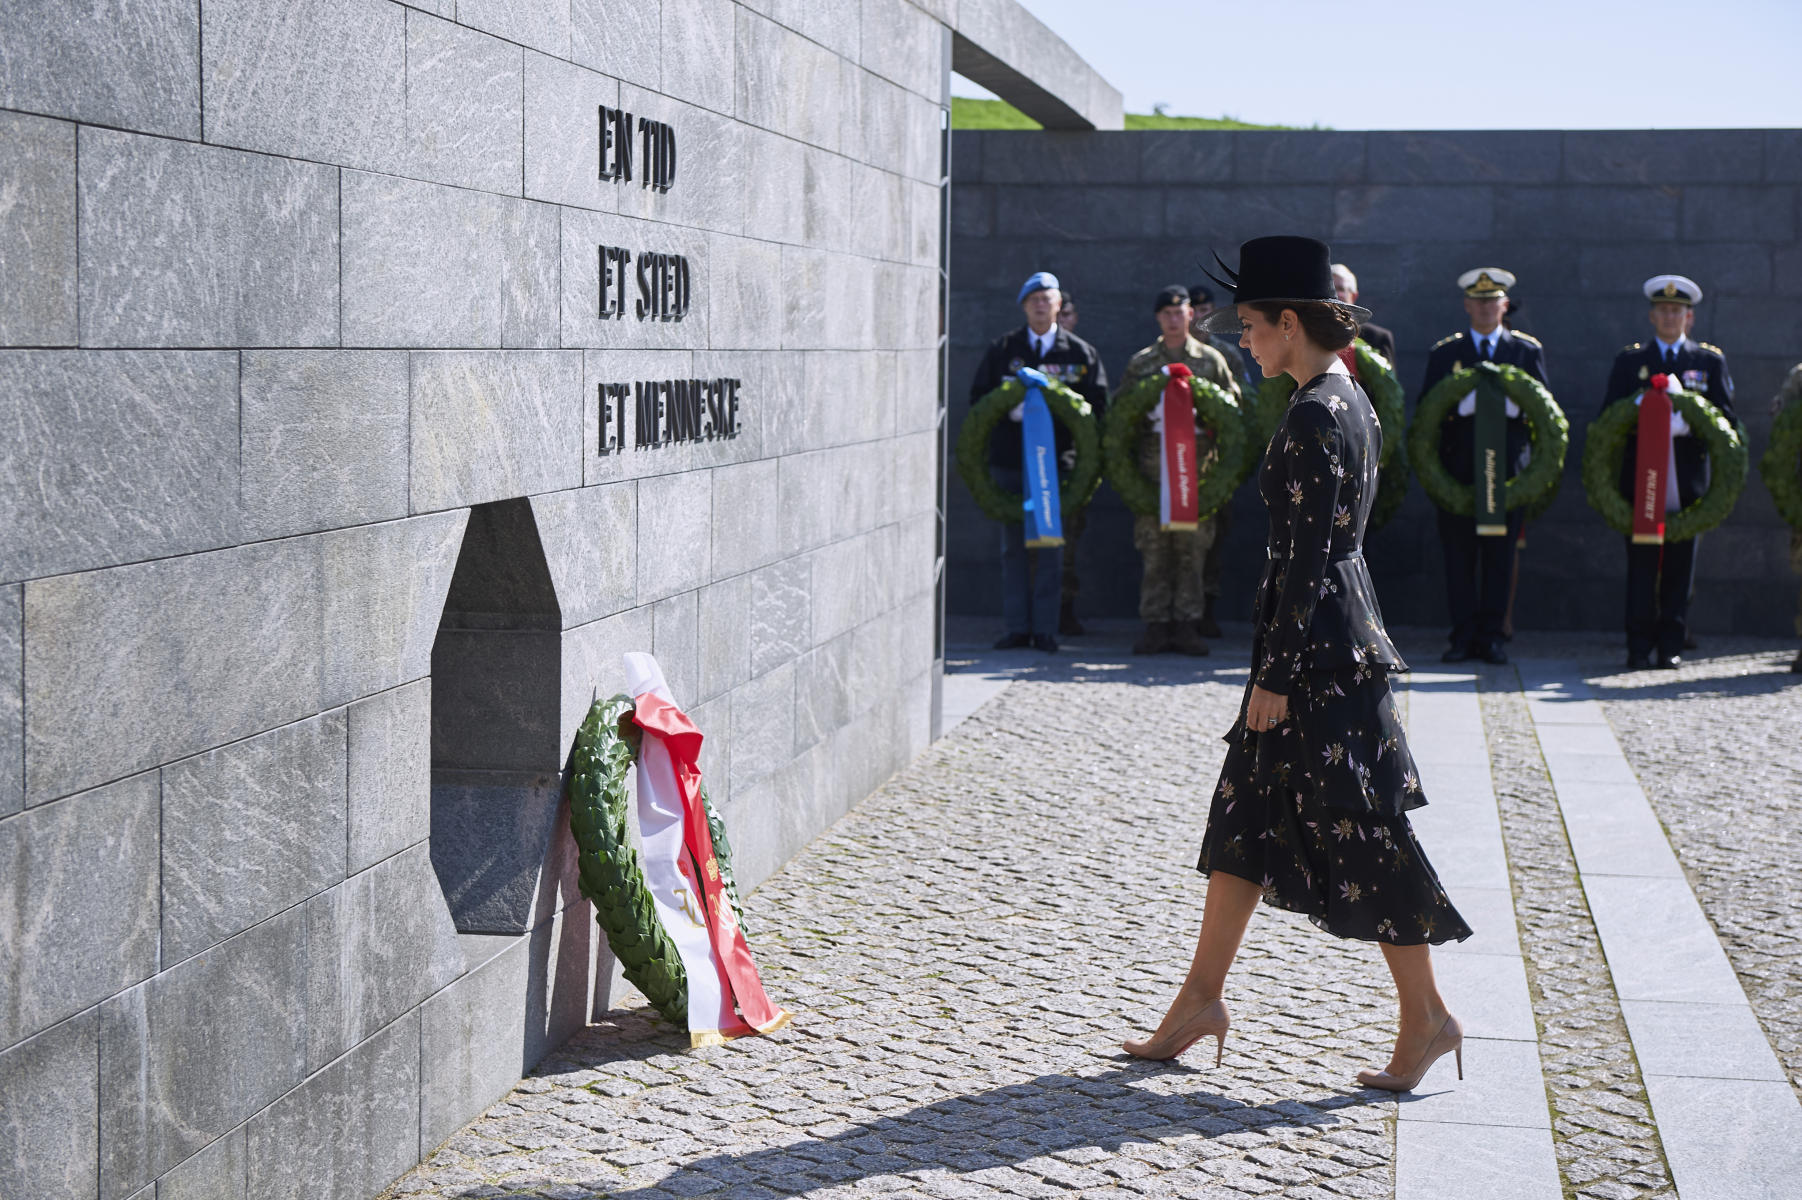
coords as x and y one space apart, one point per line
1607 1145
1715 745
963 953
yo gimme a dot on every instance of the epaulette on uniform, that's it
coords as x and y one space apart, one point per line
1449 338
1528 338
1712 348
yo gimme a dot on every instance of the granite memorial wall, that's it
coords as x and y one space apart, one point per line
372 375
1582 217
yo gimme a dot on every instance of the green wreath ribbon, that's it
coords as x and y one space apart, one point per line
1546 427
1217 475
1605 448
1781 465
1075 488
1378 378
607 867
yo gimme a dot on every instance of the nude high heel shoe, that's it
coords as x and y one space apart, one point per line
1449 1039
1212 1021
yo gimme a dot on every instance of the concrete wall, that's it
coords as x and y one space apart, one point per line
314 549
1582 218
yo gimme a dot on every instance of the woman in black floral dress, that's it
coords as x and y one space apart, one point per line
1309 811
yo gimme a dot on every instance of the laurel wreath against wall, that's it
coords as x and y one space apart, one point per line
1075 487
1547 428
1378 378
608 870
1781 465
1605 448
1217 473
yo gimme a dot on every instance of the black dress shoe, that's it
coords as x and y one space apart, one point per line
1689 641
1668 662
1456 654
1013 641
1493 653
1045 642
1795 668
1639 662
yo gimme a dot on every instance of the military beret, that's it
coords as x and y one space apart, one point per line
1167 296
1038 281
1201 293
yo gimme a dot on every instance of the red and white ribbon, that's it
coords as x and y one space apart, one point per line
1179 501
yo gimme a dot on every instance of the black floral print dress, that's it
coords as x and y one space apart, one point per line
1313 811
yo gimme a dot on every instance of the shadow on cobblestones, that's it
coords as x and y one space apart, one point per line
998 1129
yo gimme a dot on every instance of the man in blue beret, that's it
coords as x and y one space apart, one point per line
1031 581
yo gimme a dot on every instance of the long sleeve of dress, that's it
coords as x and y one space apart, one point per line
1312 466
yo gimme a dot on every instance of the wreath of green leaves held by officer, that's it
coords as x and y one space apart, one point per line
1378 378
1605 449
1781 465
1217 474
608 871
1076 487
1547 428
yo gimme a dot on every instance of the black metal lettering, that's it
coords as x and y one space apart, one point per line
622 141
646 433
732 408
666 167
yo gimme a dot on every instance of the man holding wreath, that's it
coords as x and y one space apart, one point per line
1172 599
1659 575
1030 589
1480 566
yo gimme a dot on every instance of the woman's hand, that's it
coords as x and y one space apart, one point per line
1266 710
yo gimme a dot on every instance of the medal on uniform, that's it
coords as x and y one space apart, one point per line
725 993
1043 509
1490 433
1178 497
1652 462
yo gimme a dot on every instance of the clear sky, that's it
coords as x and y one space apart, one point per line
1441 64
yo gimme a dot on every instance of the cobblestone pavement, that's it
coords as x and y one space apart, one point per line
964 953
966 949
1607 1145
1717 746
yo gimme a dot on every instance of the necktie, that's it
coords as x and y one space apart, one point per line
1670 358
1488 349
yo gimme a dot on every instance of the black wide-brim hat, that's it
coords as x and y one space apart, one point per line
1282 269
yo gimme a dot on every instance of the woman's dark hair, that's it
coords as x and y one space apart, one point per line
1326 325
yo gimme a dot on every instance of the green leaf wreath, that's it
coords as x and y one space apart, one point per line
1075 487
1781 465
1217 472
1605 448
1546 426
1377 377
608 871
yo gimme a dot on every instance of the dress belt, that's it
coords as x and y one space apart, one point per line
1348 556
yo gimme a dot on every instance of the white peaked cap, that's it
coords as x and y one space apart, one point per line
1676 289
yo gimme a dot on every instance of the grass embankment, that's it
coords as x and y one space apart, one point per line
967 113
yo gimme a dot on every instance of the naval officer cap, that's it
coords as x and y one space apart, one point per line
1038 281
1672 289
1486 283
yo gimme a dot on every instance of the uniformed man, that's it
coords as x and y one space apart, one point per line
1479 568
1659 576
1201 304
1345 286
1066 314
1172 601
1030 580
1078 521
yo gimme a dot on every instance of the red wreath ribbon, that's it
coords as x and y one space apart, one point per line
1651 462
738 971
1180 494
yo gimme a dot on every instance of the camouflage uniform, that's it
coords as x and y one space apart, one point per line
1171 588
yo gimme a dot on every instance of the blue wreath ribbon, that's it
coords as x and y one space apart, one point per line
1044 510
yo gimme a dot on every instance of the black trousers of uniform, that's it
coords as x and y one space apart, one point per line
1477 574
1658 582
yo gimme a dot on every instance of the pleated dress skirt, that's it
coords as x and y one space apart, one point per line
1315 813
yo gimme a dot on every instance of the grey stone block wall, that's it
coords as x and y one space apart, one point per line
1583 218
312 557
